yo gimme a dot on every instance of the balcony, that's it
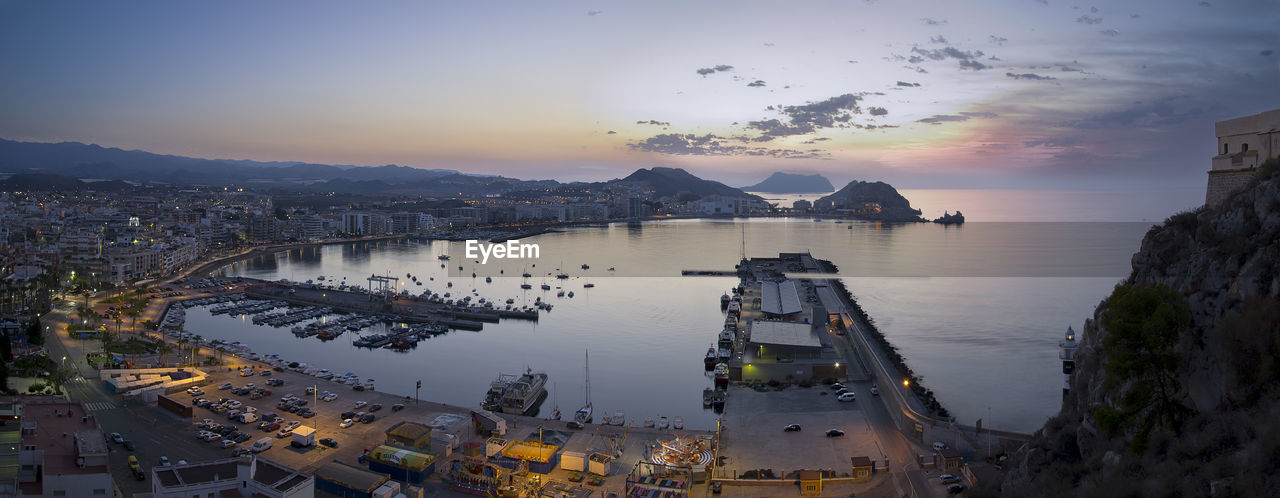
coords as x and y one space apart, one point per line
1240 160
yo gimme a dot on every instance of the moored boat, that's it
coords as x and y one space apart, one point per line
524 395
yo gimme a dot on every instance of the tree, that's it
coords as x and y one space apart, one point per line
58 377
6 348
1143 327
164 349
35 334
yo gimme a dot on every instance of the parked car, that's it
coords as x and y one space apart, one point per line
361 404
164 461
847 397
791 428
330 442
949 478
374 407
939 446
128 445
955 488
346 423
367 418
138 474
133 462
875 390
837 386
117 438
834 433
227 443
397 407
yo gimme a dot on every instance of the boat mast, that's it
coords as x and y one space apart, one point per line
587 385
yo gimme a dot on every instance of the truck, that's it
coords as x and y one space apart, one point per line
304 437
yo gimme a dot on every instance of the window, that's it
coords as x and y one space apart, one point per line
1244 147
1225 149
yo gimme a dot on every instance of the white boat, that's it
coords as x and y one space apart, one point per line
583 415
525 394
648 422
677 423
663 423
618 418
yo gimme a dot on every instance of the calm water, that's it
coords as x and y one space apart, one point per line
977 310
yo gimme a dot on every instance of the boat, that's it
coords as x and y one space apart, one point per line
585 267
583 415
724 300
722 375
555 413
588 285
546 287
619 418
560 294
706 398
443 257
612 269
523 396
526 286
488 280
677 423
663 423
570 293
320 278
497 388
712 358
648 422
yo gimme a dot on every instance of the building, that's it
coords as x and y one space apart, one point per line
802 205
779 298
410 435
341 480
636 208
1243 144
243 477
861 468
62 452
355 223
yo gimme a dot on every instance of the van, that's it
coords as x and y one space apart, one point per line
847 397
248 417
262 445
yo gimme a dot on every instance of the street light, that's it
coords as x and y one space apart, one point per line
905 382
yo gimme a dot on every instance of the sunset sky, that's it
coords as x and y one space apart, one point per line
1011 94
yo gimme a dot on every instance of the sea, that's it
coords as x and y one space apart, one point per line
977 310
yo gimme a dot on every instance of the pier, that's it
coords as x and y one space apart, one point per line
396 308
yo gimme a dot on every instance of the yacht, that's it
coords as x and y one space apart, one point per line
583 415
523 396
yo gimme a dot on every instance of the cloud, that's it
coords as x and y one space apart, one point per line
1205 4
1029 76
1093 10
967 59
878 111
1088 20
712 145
803 119
716 69
769 44
906 84
1110 32
756 84
998 40
938 39
1068 69
894 58
915 59
933 22
653 122
1266 53
964 116
594 12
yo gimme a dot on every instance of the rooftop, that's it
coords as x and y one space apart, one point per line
59 425
350 476
779 298
784 334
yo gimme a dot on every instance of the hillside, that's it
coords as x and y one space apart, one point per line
788 183
79 160
1177 387
873 201
669 182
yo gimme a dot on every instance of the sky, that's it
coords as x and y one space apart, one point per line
1027 94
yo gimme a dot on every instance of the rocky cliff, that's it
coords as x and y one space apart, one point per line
1177 385
789 183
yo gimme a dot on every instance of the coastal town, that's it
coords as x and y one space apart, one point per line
96 287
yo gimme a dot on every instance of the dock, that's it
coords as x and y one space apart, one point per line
709 273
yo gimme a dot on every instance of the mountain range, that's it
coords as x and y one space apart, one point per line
790 183
64 166
873 201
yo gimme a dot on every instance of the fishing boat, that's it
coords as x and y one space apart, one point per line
677 423
724 300
488 280
706 398
493 398
585 267
663 423
443 257
583 415
526 286
523 396
588 285
648 422
546 287
710 361
722 376
619 418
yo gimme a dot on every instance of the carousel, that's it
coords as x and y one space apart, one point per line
682 452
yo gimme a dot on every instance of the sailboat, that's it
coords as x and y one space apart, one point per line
583 415
555 413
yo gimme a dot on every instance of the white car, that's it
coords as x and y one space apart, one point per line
212 436
346 423
250 409
201 434
331 397
117 438
227 443
847 397
225 386
292 424
311 390
233 404
195 391
361 404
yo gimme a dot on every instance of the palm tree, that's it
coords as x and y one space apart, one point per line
182 348
164 349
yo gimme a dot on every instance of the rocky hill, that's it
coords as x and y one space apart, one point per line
873 201
1177 387
788 183
674 182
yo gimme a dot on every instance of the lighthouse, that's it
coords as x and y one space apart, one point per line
1068 356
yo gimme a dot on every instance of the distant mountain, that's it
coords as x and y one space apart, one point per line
79 160
670 182
788 183
40 181
874 201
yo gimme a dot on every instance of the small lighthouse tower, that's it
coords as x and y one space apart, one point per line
1068 356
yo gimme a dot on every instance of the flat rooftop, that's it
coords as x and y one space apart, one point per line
779 298
59 425
784 334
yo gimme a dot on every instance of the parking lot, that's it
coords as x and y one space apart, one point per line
754 436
